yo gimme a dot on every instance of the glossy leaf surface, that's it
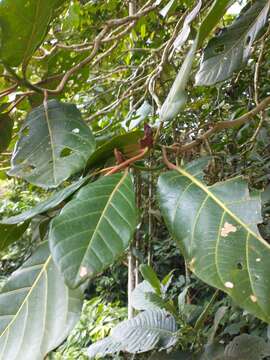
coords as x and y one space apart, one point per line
216 228
37 310
23 27
94 228
54 143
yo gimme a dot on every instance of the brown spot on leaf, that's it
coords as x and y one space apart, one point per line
227 229
253 298
191 264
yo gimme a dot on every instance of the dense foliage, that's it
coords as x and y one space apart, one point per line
134 167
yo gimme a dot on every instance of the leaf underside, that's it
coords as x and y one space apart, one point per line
54 144
216 229
227 52
94 228
37 310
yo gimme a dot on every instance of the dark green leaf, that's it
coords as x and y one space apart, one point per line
23 27
46 205
11 233
227 52
149 275
128 144
54 143
37 310
6 126
94 228
216 228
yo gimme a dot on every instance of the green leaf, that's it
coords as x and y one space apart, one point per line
149 275
23 27
128 144
177 96
216 228
6 126
46 205
54 144
146 331
179 355
138 297
37 310
94 228
104 347
247 347
227 52
11 233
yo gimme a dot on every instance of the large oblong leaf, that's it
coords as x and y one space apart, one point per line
227 52
149 330
23 26
54 143
216 228
94 228
37 310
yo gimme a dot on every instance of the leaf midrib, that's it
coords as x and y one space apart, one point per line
101 218
221 204
42 270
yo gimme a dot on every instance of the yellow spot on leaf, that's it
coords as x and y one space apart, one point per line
253 298
229 285
227 229
191 264
83 271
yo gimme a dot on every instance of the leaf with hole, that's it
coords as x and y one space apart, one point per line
227 52
6 127
54 144
23 27
216 229
37 310
46 205
94 228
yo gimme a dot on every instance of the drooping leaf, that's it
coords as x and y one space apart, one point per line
216 229
128 144
54 143
46 205
23 27
94 228
227 52
10 233
6 126
164 12
185 31
37 310
146 331
247 347
177 96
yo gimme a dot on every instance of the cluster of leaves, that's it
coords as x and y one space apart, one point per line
89 222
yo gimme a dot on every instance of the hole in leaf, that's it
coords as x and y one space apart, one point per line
248 39
219 49
239 266
65 152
